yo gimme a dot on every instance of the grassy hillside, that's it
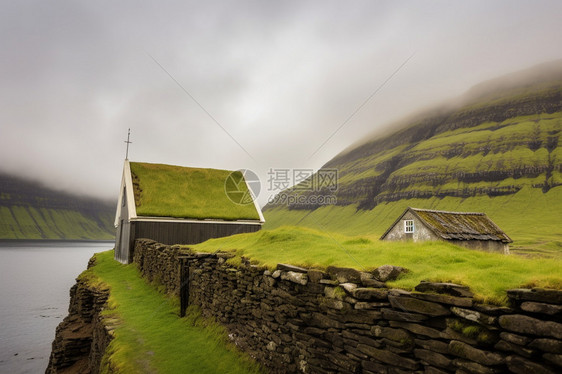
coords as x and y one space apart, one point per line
500 154
488 275
493 158
530 217
31 211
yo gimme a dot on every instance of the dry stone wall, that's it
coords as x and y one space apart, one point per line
345 321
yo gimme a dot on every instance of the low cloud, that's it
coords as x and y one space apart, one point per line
280 78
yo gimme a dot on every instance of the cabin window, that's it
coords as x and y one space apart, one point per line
409 226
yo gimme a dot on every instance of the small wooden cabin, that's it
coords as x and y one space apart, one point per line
470 230
179 205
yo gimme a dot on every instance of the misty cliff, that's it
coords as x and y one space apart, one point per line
493 150
29 210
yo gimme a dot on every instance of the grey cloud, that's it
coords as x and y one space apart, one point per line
279 76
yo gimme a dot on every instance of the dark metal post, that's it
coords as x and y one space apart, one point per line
184 286
128 142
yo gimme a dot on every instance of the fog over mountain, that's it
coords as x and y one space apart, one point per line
231 85
544 74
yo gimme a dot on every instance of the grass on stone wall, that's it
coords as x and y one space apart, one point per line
151 337
488 275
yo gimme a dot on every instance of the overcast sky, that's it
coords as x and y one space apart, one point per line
277 77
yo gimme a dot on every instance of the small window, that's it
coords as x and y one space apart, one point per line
409 225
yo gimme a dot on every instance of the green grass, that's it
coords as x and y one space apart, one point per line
150 336
27 222
181 192
29 210
516 95
433 166
530 217
488 275
506 143
364 167
508 146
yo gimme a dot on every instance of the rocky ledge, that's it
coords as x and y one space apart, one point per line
83 336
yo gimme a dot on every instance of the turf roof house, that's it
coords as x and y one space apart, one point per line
470 230
178 205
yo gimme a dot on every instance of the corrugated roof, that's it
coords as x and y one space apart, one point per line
461 225
195 193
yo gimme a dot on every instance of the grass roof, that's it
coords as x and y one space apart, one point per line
461 225
183 192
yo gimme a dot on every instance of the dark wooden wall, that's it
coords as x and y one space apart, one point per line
184 233
172 233
188 233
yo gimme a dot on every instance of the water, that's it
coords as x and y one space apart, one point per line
35 277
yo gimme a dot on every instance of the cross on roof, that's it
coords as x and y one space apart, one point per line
128 142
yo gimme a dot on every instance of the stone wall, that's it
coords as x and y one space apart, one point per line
82 338
159 263
345 321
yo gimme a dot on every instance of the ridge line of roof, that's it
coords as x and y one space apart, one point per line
180 166
447 212
195 220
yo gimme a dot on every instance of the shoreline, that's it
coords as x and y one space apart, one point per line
4 242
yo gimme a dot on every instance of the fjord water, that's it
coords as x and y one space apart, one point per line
35 279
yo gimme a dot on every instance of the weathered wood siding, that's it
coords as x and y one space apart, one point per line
122 236
176 233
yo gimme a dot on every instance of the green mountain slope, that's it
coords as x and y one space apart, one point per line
31 211
498 152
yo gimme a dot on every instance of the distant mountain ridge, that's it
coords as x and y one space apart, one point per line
29 210
498 129
497 144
